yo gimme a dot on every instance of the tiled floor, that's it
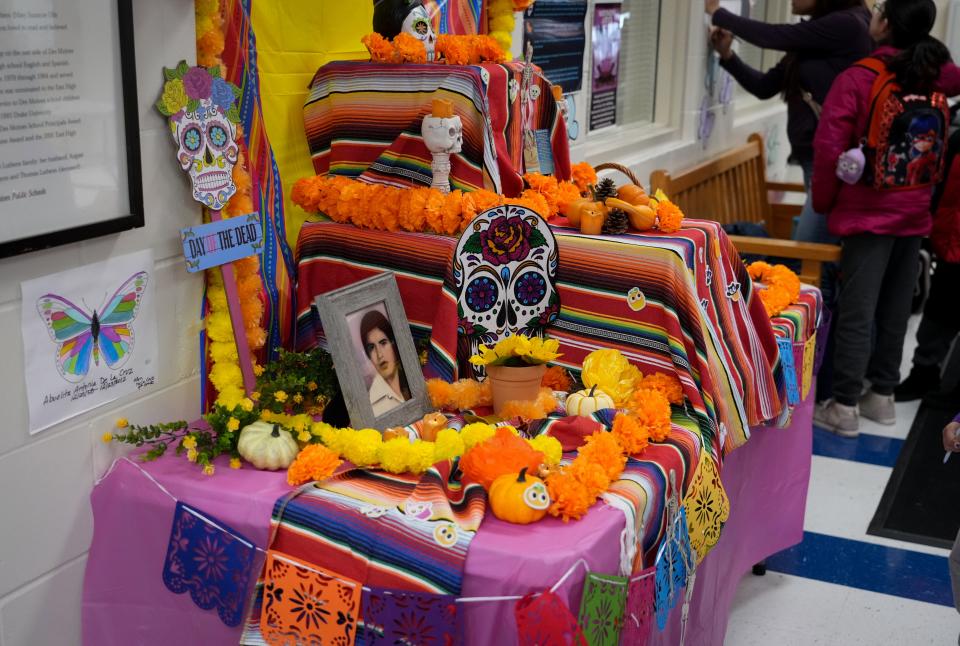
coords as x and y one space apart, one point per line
804 607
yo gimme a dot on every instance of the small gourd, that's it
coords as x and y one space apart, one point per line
633 194
519 498
642 217
586 402
267 446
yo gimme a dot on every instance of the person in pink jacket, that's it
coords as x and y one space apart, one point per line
880 229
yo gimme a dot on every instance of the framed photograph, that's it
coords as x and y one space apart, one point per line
377 365
69 134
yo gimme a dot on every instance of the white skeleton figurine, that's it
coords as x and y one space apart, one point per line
417 24
442 135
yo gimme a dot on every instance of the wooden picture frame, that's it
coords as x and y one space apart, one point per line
353 320
48 171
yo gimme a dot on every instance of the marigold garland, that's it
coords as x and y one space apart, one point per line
449 49
500 22
557 194
543 405
388 208
782 286
225 374
666 384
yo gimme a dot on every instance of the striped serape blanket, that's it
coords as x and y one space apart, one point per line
402 532
698 318
363 120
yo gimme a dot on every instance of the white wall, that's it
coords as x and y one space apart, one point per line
45 480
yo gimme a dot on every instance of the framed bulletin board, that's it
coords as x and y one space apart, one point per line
69 134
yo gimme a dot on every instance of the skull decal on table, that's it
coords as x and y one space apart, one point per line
203 117
505 271
417 24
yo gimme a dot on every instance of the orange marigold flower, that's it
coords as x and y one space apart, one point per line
652 411
557 378
669 385
669 216
315 462
567 192
569 497
592 476
602 448
381 50
584 176
410 48
632 436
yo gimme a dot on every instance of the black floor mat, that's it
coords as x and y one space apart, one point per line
920 502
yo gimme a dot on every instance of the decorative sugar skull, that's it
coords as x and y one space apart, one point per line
417 24
208 152
505 271
850 165
203 117
442 135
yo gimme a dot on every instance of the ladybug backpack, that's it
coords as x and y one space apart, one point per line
906 136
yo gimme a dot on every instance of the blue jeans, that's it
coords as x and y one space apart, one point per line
813 228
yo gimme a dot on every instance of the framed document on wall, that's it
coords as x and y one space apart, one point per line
69 134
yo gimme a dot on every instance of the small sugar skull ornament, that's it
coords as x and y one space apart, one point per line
202 114
850 165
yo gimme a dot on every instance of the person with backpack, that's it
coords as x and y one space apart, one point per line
817 50
940 323
891 108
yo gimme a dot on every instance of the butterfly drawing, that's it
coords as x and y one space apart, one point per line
104 334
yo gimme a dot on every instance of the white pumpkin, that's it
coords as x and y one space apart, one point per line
585 402
267 446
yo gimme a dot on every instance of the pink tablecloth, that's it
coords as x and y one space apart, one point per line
125 601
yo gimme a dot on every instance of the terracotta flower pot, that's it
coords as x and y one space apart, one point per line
510 383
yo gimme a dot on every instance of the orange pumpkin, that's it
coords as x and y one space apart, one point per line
572 210
519 498
633 194
592 217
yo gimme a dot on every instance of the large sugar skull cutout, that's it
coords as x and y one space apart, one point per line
442 135
202 113
207 151
417 24
505 271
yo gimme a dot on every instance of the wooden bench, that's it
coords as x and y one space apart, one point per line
734 188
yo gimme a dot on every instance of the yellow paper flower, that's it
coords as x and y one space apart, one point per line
233 424
174 96
234 463
122 422
550 447
107 437
189 442
208 469
280 396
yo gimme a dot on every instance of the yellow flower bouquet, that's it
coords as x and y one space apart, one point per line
517 351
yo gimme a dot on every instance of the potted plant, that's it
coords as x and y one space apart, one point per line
515 367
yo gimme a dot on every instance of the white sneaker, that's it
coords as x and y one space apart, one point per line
837 418
878 408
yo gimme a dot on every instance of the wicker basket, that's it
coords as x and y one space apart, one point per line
618 167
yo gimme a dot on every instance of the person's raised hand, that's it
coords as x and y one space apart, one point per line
722 42
710 6
951 437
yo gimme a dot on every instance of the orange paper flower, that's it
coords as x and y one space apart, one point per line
315 462
504 453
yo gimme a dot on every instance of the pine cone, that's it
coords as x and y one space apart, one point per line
617 222
605 188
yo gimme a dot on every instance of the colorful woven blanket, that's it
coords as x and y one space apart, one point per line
400 532
680 303
363 120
